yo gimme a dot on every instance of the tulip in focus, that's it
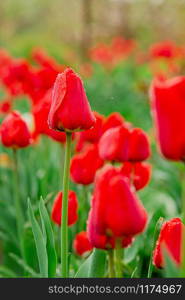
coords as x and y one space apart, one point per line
81 244
70 109
72 208
14 131
170 239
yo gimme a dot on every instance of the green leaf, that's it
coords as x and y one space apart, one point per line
22 263
94 265
50 242
6 272
155 237
40 243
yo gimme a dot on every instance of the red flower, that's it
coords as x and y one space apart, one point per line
139 148
17 76
5 106
14 131
168 105
84 165
114 144
170 238
81 243
40 113
116 212
92 135
102 54
166 49
70 110
72 208
138 173
113 120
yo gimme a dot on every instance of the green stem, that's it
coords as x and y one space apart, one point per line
64 212
18 208
118 252
155 237
111 263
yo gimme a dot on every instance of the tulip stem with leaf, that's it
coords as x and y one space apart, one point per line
69 112
64 212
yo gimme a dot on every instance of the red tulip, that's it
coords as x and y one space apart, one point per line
72 208
114 144
170 239
81 243
14 131
70 109
139 148
168 105
116 212
138 173
113 120
92 135
85 164
166 49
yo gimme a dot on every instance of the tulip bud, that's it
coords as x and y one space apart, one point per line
14 131
84 165
113 120
72 208
70 109
114 144
81 244
139 148
116 212
170 239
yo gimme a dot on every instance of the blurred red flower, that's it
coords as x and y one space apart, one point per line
40 114
122 144
165 49
114 144
113 120
72 208
139 148
138 173
85 164
91 135
14 131
70 109
116 212
170 239
168 106
81 243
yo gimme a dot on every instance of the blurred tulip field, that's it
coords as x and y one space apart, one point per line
92 152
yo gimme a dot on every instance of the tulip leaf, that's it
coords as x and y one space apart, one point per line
93 266
50 242
39 242
22 263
